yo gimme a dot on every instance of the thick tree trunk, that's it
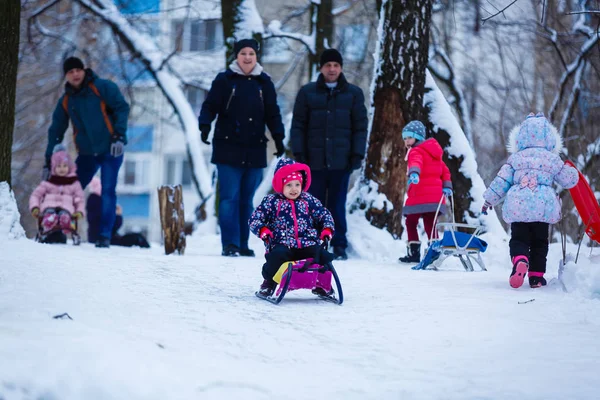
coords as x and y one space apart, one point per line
321 21
10 18
397 99
170 200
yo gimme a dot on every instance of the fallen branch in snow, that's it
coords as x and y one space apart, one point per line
526 301
63 316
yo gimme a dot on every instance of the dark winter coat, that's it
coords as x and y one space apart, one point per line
294 223
329 126
244 105
90 123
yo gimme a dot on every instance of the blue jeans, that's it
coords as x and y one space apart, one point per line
236 191
331 188
109 171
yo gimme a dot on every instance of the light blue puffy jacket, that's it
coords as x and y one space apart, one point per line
529 173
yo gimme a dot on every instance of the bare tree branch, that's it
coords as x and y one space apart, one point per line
499 12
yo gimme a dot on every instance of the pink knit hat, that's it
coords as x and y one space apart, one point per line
294 176
60 156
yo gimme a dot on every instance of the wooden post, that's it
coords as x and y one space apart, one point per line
170 203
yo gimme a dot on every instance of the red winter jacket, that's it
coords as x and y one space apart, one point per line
426 160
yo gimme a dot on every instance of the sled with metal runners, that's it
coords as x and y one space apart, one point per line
308 274
464 245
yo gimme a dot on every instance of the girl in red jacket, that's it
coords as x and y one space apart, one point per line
428 179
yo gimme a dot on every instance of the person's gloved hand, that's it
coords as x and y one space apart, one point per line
355 162
447 192
77 215
486 206
280 148
413 178
326 234
117 146
204 131
300 157
265 233
35 212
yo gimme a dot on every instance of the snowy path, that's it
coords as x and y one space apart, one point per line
147 326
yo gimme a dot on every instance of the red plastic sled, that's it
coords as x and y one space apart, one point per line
587 205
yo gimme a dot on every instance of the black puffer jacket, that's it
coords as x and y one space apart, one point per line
329 126
244 105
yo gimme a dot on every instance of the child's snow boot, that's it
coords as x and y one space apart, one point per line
267 288
536 279
520 267
413 253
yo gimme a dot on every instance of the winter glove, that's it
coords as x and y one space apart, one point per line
265 233
486 206
355 162
326 234
447 192
77 215
413 179
204 131
280 148
301 158
117 145
35 212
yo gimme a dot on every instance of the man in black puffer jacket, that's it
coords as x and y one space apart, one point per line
329 133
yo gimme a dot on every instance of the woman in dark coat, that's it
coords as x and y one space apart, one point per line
245 101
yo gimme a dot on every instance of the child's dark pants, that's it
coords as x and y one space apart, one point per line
530 239
280 254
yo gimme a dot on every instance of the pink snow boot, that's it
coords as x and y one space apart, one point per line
536 279
520 267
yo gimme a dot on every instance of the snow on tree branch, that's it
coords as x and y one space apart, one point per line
274 30
572 68
343 8
250 22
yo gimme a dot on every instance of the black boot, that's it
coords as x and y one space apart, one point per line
413 253
231 250
103 242
247 253
340 253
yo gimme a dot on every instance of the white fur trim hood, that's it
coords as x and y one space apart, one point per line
512 136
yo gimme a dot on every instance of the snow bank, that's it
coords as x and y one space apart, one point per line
583 278
10 227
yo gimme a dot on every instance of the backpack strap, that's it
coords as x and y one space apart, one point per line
107 121
65 105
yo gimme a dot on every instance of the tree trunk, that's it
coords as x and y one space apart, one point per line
397 99
10 18
321 22
232 15
170 200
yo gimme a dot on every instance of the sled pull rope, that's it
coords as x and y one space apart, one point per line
437 211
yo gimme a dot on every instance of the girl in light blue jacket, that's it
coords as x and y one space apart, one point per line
531 202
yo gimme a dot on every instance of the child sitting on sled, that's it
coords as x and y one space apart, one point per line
428 179
531 203
60 199
291 222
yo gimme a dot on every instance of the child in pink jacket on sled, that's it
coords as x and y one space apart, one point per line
292 222
60 199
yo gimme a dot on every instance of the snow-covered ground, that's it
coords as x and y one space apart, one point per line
150 326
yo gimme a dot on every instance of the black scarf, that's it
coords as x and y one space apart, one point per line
62 180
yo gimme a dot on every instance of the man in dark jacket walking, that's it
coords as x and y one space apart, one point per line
98 113
329 133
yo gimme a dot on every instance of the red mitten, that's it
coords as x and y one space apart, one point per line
326 234
265 233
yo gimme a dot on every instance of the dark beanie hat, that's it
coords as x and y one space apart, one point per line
239 45
331 55
71 63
